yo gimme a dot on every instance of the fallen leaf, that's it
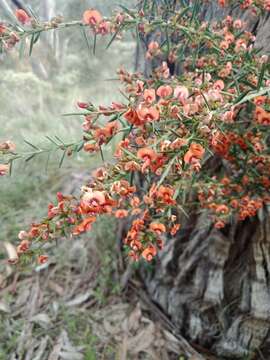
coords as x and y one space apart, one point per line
41 349
71 356
80 299
11 251
55 354
4 307
143 340
42 319
56 288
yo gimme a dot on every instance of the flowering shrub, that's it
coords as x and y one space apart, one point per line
253 5
200 135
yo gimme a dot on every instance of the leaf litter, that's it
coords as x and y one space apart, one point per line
72 310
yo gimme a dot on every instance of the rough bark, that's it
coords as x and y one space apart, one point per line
215 285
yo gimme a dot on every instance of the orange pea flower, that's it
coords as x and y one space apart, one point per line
136 245
164 91
174 229
147 155
188 157
53 211
181 93
229 38
262 116
266 5
121 213
4 169
85 225
153 49
224 45
101 135
234 203
124 144
92 17
195 152
7 146
135 201
95 198
148 114
104 27
240 45
158 228
219 224
136 211
165 194
138 224
246 4
22 16
140 141
178 143
218 85
149 95
222 209
132 117
23 246
222 3
238 24
132 166
82 105
153 46
131 235
42 259
99 173
160 244
2 29
23 235
90 147
36 230
133 255
149 253
112 127
259 100
122 188
221 143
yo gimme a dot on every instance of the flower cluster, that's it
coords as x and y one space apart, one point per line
253 5
197 141
11 34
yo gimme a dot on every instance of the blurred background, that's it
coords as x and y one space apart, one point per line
35 92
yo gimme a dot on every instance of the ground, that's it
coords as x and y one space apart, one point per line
75 307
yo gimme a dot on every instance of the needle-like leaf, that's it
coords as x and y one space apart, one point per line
86 38
32 145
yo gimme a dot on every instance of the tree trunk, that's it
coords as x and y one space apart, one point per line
215 285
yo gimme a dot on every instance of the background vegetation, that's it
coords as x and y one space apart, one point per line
36 91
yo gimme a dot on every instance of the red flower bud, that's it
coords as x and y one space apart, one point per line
82 105
22 16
